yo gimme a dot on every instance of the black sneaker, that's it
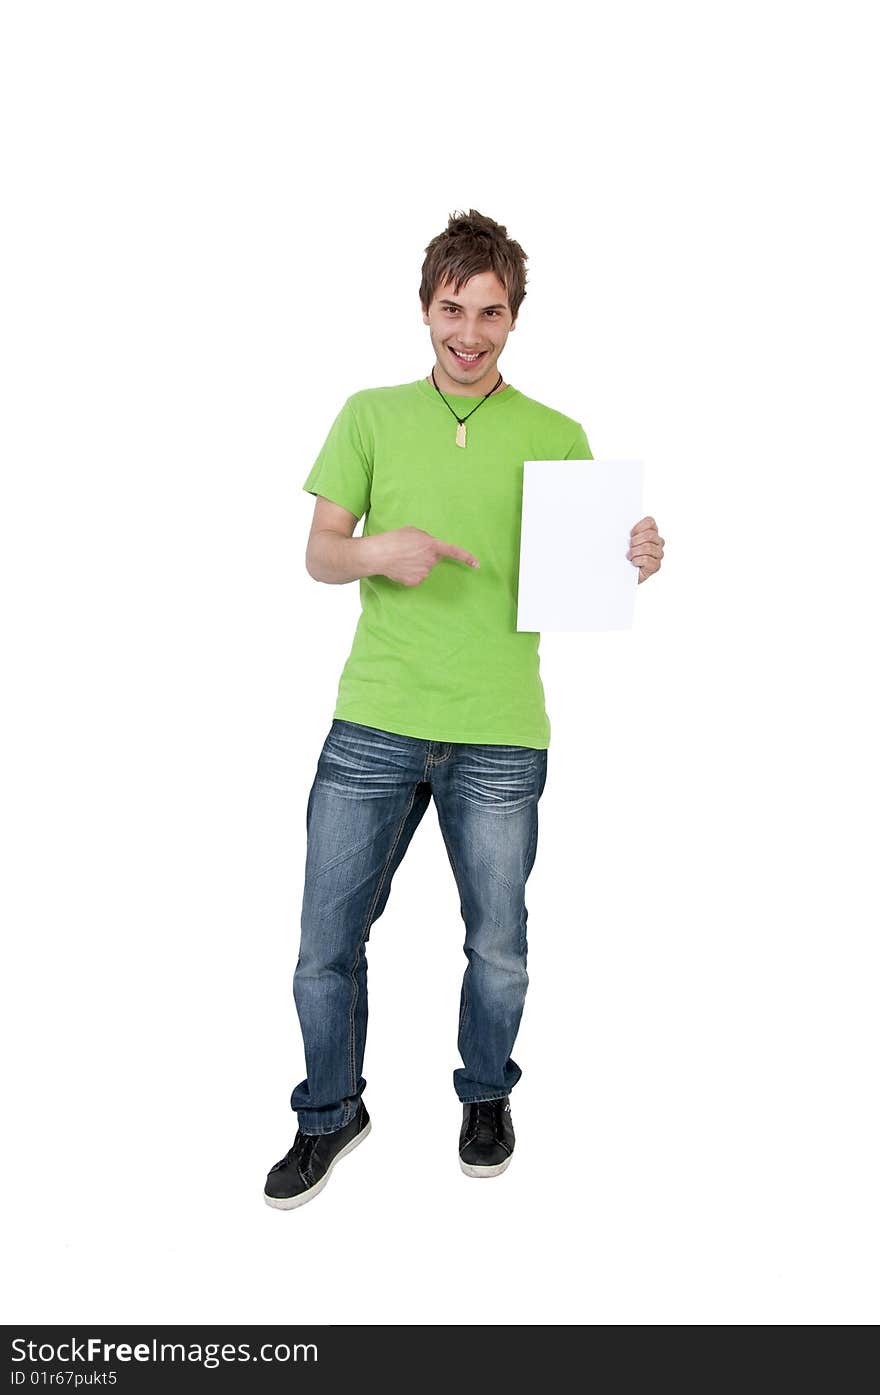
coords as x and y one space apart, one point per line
304 1171
485 1145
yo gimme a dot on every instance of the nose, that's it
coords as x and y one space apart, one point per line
470 340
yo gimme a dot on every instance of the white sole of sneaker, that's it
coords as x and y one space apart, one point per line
289 1203
470 1170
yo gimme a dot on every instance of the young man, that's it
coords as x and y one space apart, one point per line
440 696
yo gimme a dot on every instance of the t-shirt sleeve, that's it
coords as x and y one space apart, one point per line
343 471
580 446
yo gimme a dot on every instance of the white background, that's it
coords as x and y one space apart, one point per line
214 229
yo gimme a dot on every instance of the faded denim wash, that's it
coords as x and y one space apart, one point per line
370 791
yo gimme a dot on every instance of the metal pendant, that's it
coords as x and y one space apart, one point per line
461 434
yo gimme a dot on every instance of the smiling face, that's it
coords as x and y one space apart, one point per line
473 320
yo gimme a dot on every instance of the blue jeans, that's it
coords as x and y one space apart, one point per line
369 794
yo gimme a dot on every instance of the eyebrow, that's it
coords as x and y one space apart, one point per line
499 306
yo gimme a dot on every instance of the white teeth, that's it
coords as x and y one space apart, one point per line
471 358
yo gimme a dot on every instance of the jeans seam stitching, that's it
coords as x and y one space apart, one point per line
466 1004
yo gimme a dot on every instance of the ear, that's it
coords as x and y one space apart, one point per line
425 319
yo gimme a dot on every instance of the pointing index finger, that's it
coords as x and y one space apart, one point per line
459 554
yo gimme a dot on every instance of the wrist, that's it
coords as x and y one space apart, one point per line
372 554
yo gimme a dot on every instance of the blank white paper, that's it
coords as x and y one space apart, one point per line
574 573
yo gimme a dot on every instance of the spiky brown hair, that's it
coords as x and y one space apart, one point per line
473 243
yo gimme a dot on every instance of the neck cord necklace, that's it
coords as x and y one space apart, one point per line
461 430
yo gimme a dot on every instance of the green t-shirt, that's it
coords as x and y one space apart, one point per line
443 660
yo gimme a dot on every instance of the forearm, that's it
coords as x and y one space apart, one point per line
336 559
